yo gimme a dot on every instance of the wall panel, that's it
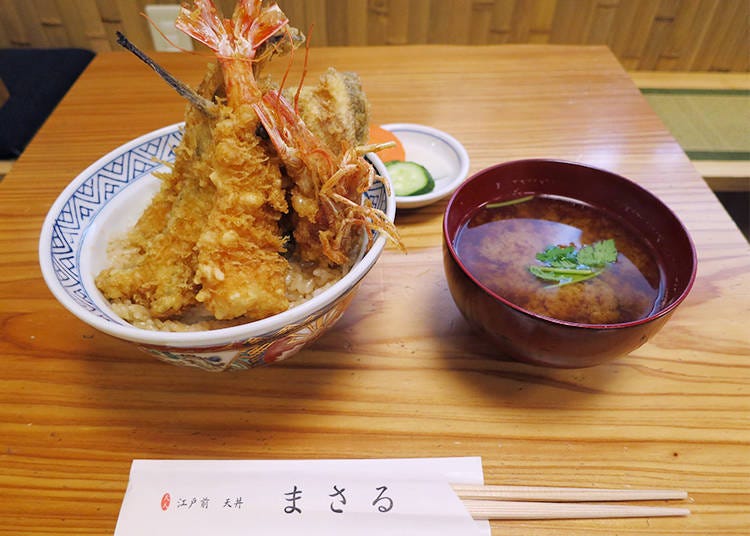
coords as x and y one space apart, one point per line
667 35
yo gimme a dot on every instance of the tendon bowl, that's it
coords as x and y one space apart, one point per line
525 336
107 198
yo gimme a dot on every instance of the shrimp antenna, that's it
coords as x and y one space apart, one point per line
288 67
203 104
304 67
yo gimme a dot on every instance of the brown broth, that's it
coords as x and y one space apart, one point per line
497 245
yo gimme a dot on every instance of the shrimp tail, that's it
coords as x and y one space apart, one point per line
251 25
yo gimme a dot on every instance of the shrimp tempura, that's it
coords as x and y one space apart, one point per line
240 271
240 267
248 175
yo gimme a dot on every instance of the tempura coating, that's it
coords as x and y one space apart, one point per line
158 270
336 113
336 110
214 238
240 270
329 216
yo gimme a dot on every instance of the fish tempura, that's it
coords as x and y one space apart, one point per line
157 271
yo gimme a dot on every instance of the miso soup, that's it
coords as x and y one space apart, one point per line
500 241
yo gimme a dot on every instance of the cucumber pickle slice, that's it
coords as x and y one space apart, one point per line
409 178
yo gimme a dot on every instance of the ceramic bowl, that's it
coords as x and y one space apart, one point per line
443 155
107 198
525 336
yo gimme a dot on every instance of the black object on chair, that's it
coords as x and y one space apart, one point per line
37 80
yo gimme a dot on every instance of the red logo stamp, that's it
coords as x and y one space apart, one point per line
165 500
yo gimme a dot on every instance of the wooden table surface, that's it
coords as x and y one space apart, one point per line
400 375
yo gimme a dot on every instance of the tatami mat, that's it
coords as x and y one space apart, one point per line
713 128
709 124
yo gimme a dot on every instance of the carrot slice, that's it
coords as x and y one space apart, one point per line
380 135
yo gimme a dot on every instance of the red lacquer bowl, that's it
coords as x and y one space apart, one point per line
525 336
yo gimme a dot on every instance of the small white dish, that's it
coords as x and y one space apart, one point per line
442 154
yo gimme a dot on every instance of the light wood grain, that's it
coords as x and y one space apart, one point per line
515 510
76 406
665 35
556 494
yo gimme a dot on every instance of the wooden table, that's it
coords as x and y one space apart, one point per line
400 375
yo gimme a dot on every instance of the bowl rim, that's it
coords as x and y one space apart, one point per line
662 312
449 186
205 338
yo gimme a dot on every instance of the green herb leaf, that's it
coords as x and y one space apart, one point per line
559 256
566 264
509 202
562 276
598 254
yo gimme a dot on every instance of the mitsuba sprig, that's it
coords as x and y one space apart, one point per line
568 264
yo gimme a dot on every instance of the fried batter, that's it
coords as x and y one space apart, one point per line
326 193
158 273
240 268
336 110
212 240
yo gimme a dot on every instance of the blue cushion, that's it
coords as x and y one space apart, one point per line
37 80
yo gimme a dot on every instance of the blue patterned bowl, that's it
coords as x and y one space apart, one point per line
107 198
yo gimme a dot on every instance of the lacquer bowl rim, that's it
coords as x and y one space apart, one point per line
448 242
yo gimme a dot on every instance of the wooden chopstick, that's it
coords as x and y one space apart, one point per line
549 510
546 502
553 494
